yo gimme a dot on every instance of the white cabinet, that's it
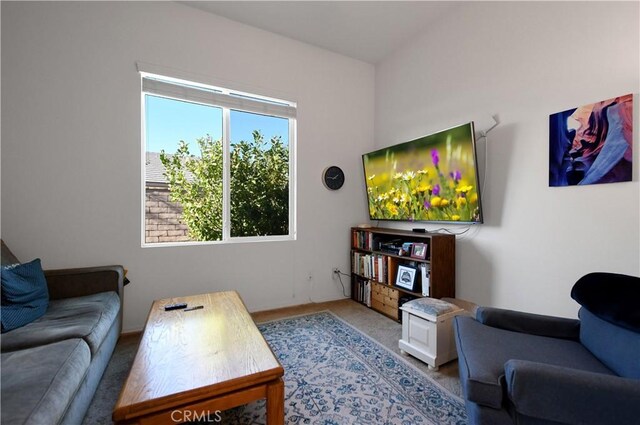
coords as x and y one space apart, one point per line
427 330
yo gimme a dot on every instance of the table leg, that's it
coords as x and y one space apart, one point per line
275 402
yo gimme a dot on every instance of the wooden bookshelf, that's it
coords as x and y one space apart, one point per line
375 261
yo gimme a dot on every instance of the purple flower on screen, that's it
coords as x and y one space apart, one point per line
457 176
427 205
436 190
434 157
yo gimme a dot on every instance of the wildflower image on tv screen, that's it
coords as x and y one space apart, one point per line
433 178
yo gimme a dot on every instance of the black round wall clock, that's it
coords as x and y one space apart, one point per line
333 177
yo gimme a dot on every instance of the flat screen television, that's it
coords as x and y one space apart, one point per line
430 179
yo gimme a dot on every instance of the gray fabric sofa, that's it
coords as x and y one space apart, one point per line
51 367
525 368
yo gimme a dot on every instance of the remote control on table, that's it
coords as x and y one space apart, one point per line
176 306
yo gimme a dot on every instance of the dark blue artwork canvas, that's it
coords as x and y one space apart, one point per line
592 144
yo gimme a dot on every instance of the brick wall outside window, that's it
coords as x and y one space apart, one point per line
163 217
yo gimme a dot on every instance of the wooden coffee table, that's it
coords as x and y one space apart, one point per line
191 365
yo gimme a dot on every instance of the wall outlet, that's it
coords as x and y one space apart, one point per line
335 273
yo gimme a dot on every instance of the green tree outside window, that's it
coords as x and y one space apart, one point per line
259 187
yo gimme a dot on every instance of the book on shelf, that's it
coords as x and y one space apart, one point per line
362 239
367 293
370 266
362 291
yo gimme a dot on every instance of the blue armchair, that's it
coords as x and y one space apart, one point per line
530 369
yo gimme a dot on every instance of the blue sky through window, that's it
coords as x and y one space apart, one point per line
168 121
243 124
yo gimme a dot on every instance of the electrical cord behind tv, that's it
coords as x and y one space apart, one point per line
483 135
447 231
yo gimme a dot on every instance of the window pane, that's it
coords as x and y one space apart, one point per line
259 186
183 186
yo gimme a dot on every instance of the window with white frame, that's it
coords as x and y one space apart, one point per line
218 164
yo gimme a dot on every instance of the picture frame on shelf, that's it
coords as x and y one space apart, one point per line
406 277
406 249
419 250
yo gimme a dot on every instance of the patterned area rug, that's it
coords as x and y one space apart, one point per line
334 374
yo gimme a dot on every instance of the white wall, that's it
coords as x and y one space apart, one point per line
524 61
71 146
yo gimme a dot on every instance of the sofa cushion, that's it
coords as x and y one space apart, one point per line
529 323
618 348
610 296
484 350
88 317
24 294
39 383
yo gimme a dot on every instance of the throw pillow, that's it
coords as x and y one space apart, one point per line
25 296
610 296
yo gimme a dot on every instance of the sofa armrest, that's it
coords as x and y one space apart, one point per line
67 283
535 324
571 396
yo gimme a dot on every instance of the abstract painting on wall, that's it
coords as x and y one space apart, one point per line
592 143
